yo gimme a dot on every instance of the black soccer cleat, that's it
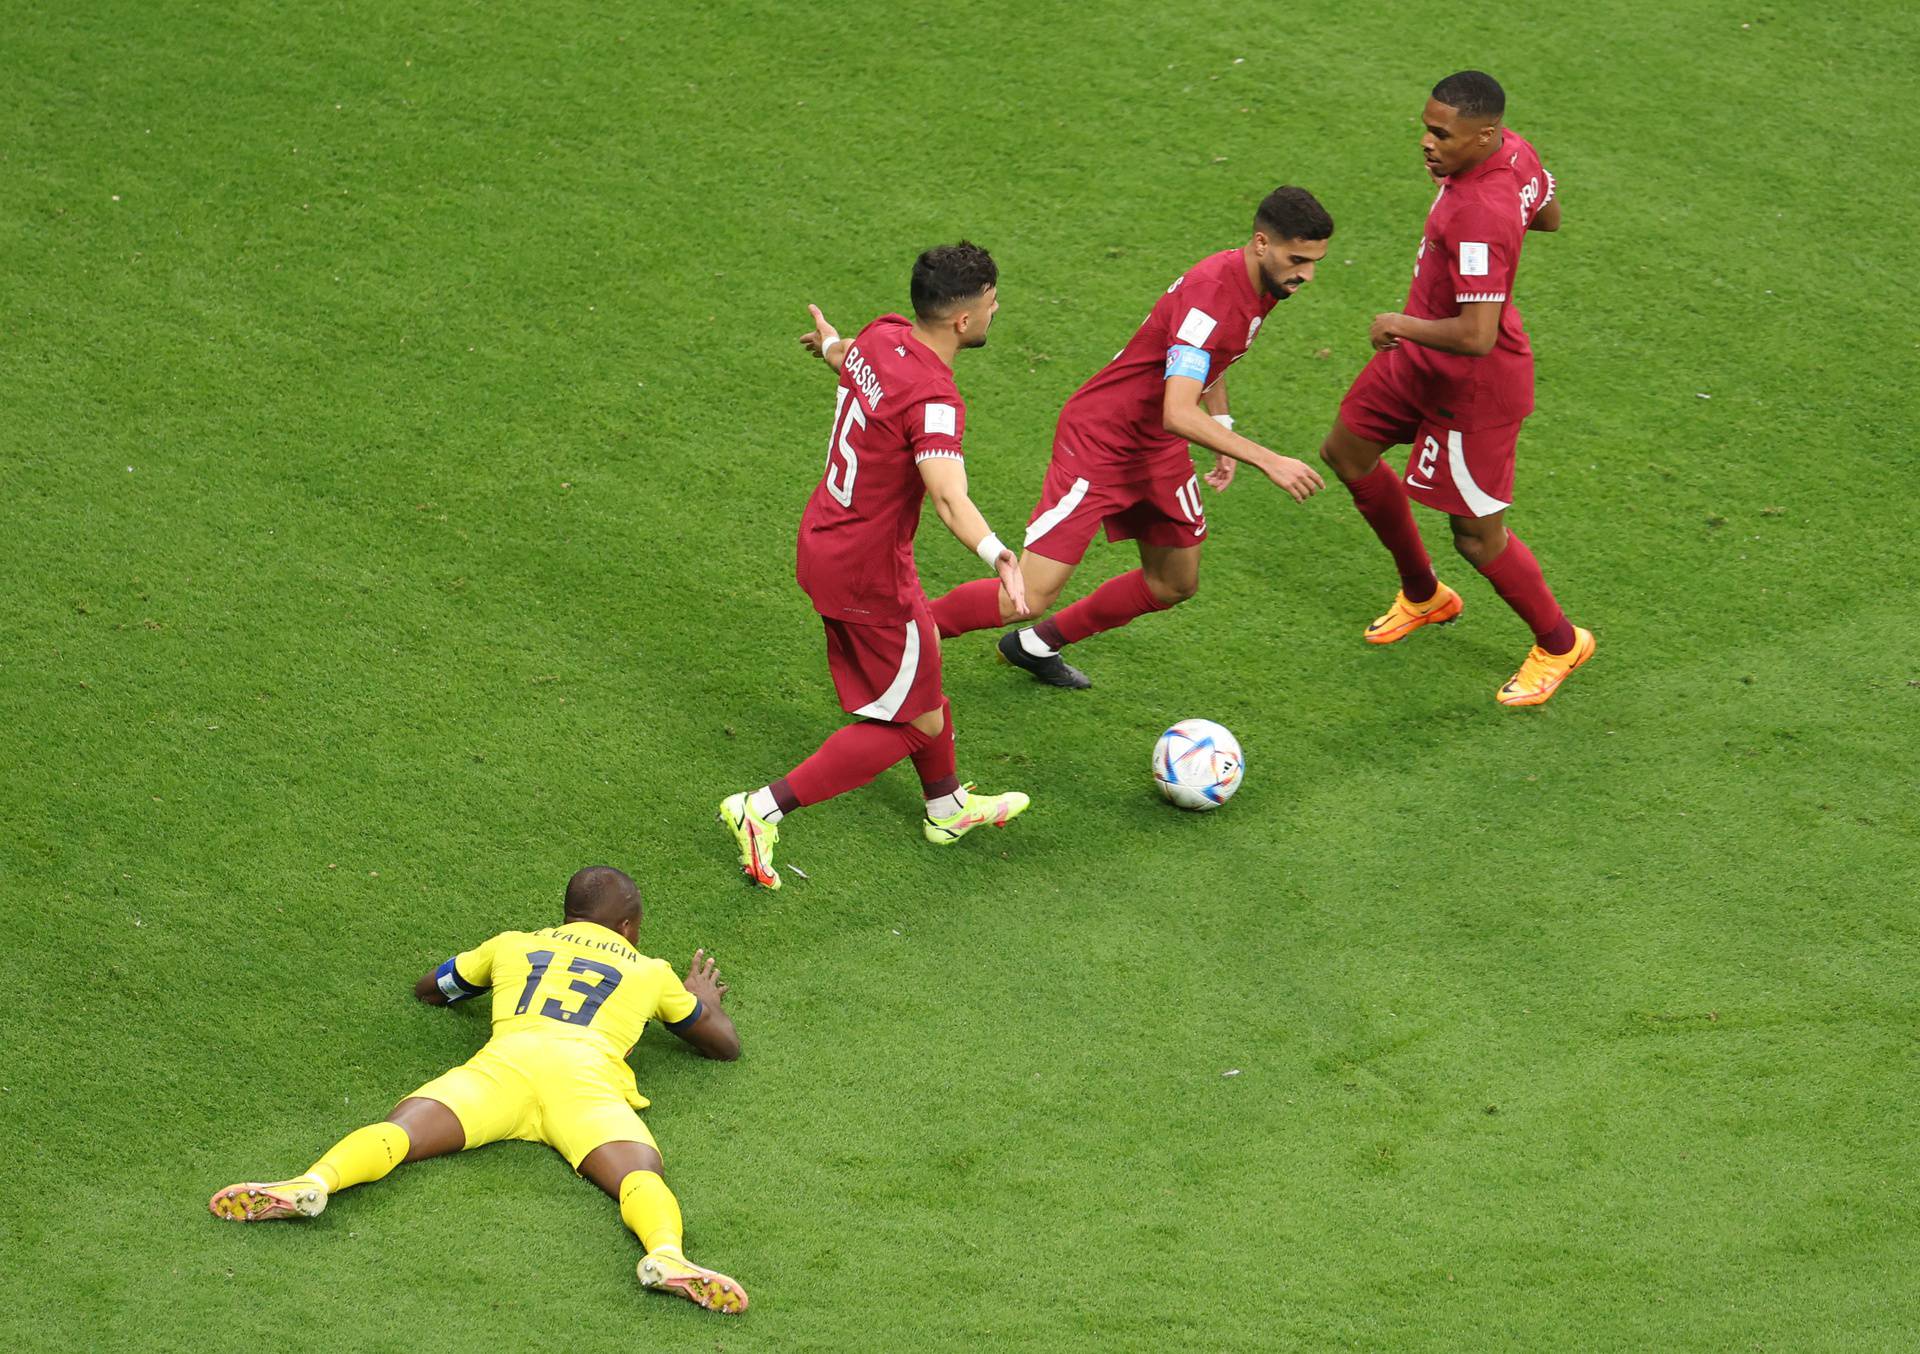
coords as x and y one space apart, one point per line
1053 669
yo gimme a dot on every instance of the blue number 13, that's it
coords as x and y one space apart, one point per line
594 993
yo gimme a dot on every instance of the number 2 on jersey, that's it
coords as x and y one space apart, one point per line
606 978
847 415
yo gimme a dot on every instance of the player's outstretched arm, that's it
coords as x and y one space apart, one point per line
1181 415
711 1033
946 481
824 341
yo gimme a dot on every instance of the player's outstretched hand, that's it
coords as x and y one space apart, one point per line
1011 581
1222 473
816 339
1378 334
703 979
1296 477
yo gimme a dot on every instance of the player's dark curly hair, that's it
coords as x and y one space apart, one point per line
1472 94
949 276
1290 213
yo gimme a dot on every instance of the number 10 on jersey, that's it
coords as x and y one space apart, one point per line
841 458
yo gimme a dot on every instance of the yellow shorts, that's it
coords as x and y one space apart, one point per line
537 1092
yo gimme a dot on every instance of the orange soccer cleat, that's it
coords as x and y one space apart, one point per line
1404 617
1540 676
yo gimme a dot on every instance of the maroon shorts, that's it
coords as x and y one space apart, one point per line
1162 509
889 672
1468 473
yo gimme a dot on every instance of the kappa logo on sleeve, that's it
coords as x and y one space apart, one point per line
1473 259
940 419
1195 328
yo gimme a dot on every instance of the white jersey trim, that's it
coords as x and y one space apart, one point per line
1479 502
888 703
1461 298
1057 514
920 456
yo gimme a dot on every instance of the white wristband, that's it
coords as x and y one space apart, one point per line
1224 420
989 549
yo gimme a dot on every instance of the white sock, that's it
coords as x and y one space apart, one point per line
1033 644
762 802
945 806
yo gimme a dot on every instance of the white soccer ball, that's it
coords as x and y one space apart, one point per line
1198 765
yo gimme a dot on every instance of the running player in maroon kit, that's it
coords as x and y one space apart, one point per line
896 436
1121 452
1453 377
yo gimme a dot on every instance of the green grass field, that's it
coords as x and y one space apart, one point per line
404 439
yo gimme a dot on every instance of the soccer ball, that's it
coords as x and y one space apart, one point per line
1197 764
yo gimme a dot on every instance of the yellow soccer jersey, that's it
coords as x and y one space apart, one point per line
579 984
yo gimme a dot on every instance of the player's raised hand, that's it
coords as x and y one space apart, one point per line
1380 335
816 339
703 979
1012 582
1296 477
1221 475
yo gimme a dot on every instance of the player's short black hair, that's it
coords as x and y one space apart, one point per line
1290 213
950 275
602 894
1473 94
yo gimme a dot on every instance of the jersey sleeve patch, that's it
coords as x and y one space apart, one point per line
1186 360
939 419
1473 258
452 986
1196 328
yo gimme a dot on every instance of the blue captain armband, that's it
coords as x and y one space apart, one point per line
452 986
687 1019
1185 360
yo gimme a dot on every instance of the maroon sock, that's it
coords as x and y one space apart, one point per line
850 757
1107 607
969 607
1382 500
936 762
1515 575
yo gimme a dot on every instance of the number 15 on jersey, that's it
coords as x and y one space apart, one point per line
842 461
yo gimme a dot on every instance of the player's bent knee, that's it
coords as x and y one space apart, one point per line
1172 592
930 723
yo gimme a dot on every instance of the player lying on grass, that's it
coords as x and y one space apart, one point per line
1453 376
897 425
1121 453
569 1003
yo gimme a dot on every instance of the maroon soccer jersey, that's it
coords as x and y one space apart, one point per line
1470 252
897 405
1111 429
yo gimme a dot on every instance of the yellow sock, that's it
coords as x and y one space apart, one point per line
364 1155
649 1208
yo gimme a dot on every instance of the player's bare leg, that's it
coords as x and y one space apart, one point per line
418 1128
631 1173
1025 648
1506 562
1382 500
1172 572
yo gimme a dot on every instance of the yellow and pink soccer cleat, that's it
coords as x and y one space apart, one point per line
671 1272
977 811
755 837
255 1202
1540 676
